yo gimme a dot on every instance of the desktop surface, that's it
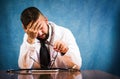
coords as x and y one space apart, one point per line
56 74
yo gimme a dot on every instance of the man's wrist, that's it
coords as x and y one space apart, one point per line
30 41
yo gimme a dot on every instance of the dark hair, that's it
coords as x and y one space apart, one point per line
30 14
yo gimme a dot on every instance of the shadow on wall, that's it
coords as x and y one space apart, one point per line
116 60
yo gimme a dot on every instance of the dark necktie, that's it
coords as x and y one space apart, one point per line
44 55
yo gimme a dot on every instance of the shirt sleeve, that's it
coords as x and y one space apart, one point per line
73 54
27 52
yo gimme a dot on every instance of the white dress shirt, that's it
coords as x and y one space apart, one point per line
29 53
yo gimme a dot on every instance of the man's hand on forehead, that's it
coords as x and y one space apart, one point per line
32 30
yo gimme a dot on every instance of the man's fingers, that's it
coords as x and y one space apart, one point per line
60 46
56 45
30 25
38 26
34 25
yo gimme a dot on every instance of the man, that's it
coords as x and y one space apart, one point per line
45 44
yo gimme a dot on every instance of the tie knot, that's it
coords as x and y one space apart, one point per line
42 43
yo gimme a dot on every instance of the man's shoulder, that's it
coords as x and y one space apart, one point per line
25 36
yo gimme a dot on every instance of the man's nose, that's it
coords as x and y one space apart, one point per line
40 32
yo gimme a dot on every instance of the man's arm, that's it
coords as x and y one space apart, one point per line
26 52
71 57
73 54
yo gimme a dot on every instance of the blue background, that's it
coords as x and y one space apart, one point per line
94 23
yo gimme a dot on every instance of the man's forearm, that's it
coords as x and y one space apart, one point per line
24 59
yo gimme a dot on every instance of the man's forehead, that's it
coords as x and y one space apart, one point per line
41 17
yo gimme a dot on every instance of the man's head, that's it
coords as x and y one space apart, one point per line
33 14
30 14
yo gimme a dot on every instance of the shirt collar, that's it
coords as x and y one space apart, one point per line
50 31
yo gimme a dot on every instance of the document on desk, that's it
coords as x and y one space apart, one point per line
33 71
40 71
54 71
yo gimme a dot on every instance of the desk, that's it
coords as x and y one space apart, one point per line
85 74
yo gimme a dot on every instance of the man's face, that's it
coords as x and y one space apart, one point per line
43 31
40 26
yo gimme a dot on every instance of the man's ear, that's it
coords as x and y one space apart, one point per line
46 19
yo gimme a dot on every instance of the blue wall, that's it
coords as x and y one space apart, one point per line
94 23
